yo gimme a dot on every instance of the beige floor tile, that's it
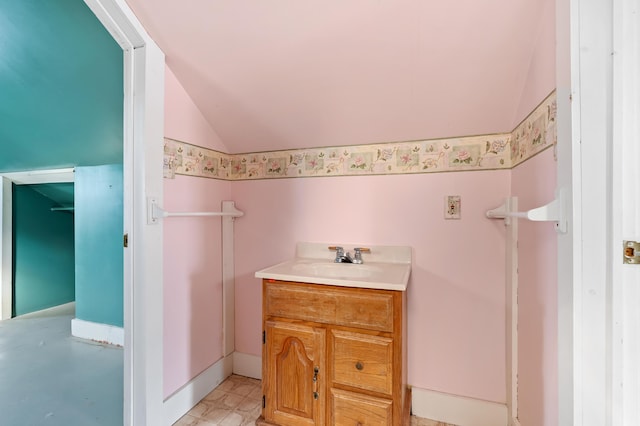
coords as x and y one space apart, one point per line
216 415
249 405
256 393
227 401
200 409
417 421
233 419
189 420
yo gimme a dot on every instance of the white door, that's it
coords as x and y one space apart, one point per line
598 158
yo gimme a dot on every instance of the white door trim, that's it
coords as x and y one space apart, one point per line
625 192
584 35
142 160
31 177
6 248
568 132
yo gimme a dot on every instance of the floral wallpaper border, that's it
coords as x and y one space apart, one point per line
488 152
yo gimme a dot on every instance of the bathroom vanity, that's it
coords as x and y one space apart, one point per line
334 339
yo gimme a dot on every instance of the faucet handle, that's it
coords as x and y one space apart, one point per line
362 249
339 252
357 253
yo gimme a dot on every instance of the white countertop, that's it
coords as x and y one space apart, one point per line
385 267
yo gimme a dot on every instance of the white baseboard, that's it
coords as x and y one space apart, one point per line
515 422
184 399
247 365
457 410
103 333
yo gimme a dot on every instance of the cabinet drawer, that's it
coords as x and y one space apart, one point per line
352 409
362 361
361 308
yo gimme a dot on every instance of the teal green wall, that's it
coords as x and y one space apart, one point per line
44 268
61 87
99 251
61 105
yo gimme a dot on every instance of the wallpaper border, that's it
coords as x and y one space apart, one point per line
500 151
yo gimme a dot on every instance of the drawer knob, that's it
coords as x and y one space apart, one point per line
359 366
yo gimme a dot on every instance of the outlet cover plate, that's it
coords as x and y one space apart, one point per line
452 207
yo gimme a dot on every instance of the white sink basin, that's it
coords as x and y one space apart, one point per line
336 270
386 268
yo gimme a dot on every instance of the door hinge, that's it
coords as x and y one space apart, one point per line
264 401
125 240
631 252
264 337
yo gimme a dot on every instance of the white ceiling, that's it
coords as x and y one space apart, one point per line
288 74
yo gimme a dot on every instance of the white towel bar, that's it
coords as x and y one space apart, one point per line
155 212
555 211
228 214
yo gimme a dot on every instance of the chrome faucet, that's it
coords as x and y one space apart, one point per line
357 255
342 257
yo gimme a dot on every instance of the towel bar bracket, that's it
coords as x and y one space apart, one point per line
555 211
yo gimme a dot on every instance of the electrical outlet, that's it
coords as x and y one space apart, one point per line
452 207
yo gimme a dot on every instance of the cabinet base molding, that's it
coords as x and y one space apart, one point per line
457 410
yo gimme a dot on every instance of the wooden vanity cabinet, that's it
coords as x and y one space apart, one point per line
333 356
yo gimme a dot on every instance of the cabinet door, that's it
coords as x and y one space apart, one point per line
295 370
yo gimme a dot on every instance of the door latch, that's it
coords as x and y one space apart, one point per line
631 252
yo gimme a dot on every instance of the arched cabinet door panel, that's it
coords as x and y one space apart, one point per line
294 356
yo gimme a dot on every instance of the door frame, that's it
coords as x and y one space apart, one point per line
597 338
142 160
583 33
6 224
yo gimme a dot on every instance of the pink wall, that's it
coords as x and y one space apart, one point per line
183 120
541 74
534 182
192 257
456 294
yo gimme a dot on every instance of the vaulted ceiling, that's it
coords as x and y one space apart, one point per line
291 74
269 74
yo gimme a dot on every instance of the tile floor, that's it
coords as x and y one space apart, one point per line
237 402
